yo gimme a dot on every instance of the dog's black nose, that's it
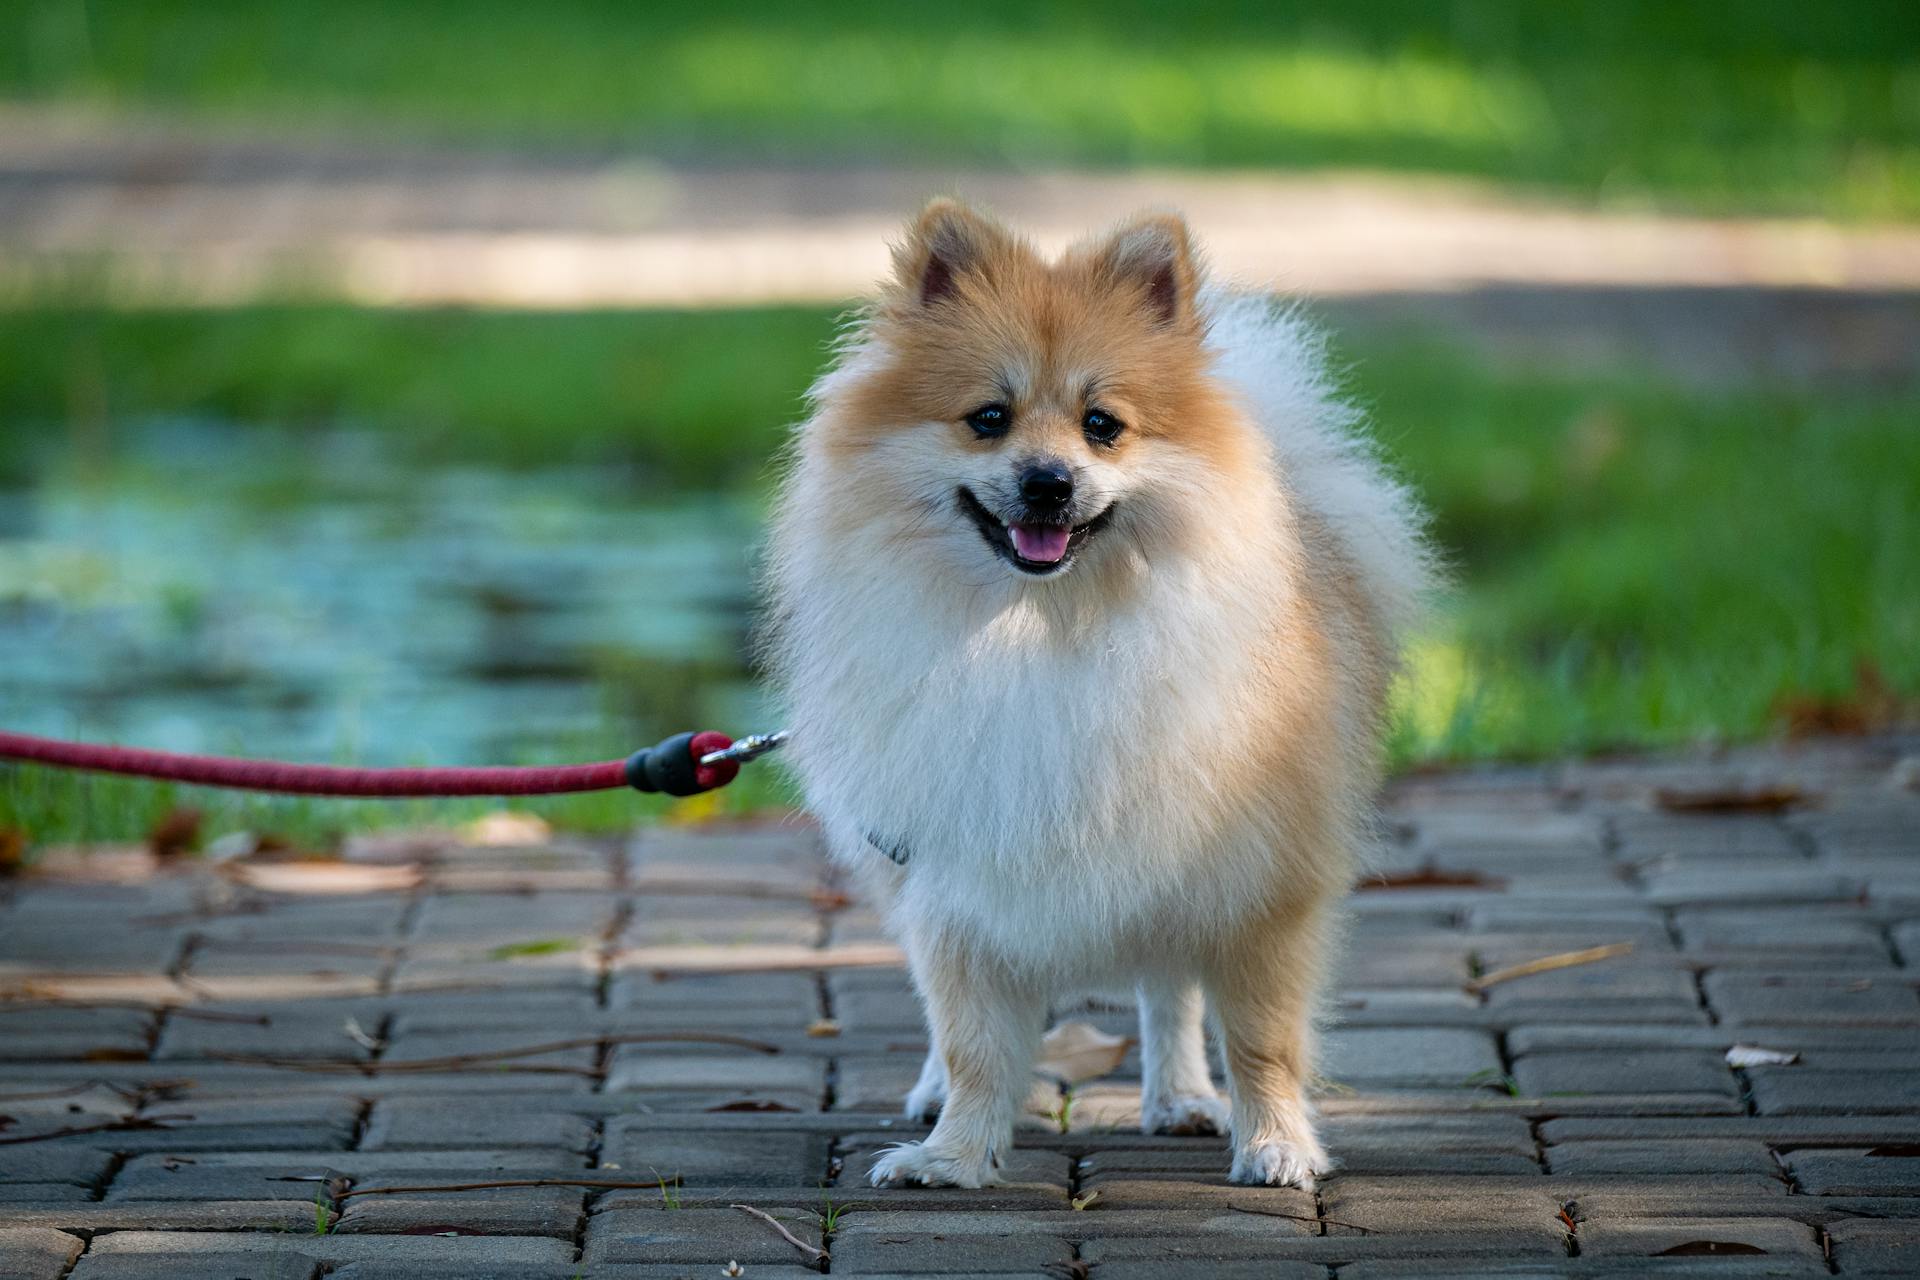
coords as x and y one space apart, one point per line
1046 486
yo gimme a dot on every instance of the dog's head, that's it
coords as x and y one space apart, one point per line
1022 414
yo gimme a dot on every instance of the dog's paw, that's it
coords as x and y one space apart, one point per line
917 1164
1184 1115
1278 1164
924 1103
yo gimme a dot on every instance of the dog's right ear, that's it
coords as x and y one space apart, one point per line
945 242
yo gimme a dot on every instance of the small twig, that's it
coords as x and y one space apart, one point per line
1546 964
111 1126
457 1061
603 1184
1301 1217
818 1255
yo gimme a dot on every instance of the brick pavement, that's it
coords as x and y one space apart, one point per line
247 1070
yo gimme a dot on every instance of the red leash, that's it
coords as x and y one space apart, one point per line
685 764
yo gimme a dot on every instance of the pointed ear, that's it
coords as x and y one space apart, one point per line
947 240
1155 255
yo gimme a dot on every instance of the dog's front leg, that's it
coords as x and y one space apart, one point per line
1264 989
986 1028
1176 1085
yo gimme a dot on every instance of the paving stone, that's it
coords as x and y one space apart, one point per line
1708 886
1543 1075
29 1033
219 1266
1413 1057
1694 1155
43 1193
315 1028
391 1250
710 1237
36 1253
1704 838
636 1070
411 1124
737 1159
505 1211
1769 933
41 1162
1892 1248
935 1253
1805 1090
293 1210
1609 991
1680 1237
255 1175
1858 1173
1789 998
1207 1269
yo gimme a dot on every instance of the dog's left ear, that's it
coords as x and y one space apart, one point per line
1154 255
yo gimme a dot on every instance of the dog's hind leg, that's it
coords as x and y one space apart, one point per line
986 1026
1264 988
1176 1089
929 1093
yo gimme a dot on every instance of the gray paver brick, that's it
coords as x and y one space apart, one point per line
1664 1072
1863 1172
1685 1236
1891 1247
515 1211
691 1235
717 1159
1408 1057
412 1124
1809 1091
36 1253
1694 1155
1789 998
251 1266
493 1250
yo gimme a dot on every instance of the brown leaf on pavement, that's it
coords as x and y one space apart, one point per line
1077 1051
176 833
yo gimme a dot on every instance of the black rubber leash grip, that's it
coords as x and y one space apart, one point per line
668 768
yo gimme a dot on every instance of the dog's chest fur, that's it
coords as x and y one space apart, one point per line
1052 787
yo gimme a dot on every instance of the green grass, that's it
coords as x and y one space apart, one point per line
1769 104
1638 565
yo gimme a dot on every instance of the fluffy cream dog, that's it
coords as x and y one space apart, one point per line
1085 600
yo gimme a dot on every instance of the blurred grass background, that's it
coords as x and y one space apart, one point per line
1768 104
1640 562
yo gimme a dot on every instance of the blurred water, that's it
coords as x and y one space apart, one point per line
209 587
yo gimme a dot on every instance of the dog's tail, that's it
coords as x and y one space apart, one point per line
1277 361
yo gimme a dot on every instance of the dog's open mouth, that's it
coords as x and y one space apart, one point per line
1031 547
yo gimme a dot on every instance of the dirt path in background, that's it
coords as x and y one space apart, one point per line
150 213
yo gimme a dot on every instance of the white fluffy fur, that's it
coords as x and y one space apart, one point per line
1047 761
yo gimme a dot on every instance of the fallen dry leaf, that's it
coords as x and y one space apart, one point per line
1872 706
1547 964
823 1028
1712 1249
323 877
1732 798
507 828
13 850
1077 1051
176 833
1751 1055
1430 878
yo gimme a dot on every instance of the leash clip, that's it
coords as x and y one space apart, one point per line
751 747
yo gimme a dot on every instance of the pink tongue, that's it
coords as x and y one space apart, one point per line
1040 543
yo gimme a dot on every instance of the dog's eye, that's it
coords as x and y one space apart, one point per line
990 420
1101 427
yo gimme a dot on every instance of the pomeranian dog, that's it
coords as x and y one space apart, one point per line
1085 599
